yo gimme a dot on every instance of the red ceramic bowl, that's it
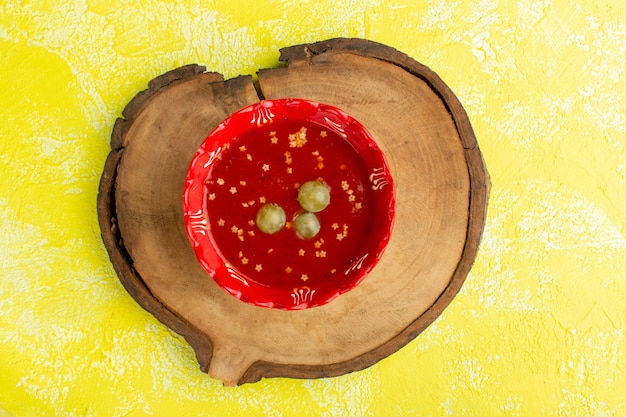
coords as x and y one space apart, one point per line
253 227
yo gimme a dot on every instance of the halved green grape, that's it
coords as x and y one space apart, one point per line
271 218
307 225
314 196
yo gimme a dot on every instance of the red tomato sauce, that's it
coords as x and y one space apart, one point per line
265 166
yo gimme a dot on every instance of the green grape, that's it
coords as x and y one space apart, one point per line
307 225
270 218
314 196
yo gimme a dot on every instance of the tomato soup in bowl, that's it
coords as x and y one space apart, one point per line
289 203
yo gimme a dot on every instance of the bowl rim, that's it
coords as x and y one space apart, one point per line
226 275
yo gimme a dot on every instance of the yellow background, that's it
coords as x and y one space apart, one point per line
538 328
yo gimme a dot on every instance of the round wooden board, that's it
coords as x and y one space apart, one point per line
442 190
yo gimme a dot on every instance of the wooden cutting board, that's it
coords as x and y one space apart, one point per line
442 189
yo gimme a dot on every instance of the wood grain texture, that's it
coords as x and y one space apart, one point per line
442 191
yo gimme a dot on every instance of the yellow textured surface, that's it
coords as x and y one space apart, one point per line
538 328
